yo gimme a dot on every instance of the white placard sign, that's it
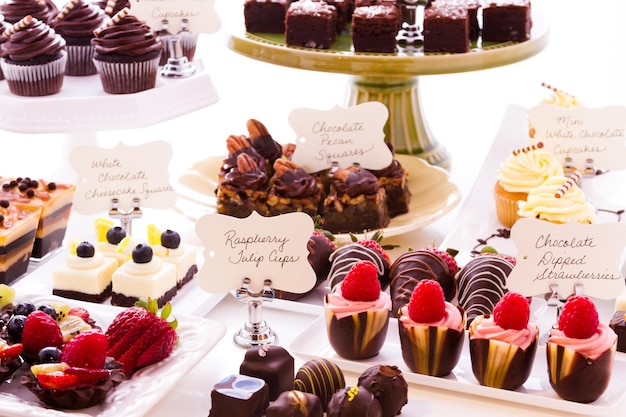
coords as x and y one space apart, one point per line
123 172
567 255
200 14
258 248
581 133
344 135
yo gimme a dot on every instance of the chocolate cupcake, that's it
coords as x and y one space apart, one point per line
33 58
126 55
76 23
15 10
4 25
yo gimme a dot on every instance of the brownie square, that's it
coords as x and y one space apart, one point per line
472 6
374 28
506 21
446 29
265 16
311 24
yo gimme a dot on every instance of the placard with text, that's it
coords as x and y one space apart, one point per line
581 134
258 248
345 135
124 173
568 255
200 14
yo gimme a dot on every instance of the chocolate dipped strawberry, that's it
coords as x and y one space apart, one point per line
357 313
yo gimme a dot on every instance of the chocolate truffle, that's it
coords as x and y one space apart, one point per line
345 256
354 401
482 283
239 395
388 386
273 364
320 377
295 403
414 266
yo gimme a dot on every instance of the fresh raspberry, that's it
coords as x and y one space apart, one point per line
512 311
579 318
88 349
427 303
40 331
361 283
372 244
452 265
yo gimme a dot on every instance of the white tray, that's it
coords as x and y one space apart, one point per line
313 343
135 396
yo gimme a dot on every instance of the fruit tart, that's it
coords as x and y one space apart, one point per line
77 376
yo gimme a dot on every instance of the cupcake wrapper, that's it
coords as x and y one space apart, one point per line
507 207
35 80
80 60
127 77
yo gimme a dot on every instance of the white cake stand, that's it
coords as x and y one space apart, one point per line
392 78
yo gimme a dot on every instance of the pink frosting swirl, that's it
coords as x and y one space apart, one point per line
592 347
342 307
488 329
452 318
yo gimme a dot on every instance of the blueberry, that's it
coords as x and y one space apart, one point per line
49 354
170 239
24 308
49 310
115 235
142 254
85 250
15 327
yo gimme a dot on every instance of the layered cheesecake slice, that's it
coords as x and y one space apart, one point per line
18 226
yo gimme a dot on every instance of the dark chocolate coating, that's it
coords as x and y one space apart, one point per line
444 350
619 327
345 256
351 339
239 395
410 268
588 378
388 385
354 402
273 364
320 377
319 256
295 403
518 370
482 283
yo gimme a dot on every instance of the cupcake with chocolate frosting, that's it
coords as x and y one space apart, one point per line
76 23
33 58
15 10
126 55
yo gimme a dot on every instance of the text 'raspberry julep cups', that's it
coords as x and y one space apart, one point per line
126 55
357 313
503 344
33 58
580 352
431 330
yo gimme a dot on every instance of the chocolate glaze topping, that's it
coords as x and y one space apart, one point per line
130 37
34 40
239 180
357 181
81 21
15 10
296 183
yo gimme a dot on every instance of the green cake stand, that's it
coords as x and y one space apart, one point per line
393 79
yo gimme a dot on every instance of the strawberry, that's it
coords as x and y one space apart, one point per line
361 283
512 311
87 375
57 380
10 351
427 303
139 336
579 318
373 244
88 349
325 238
40 330
448 258
79 312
